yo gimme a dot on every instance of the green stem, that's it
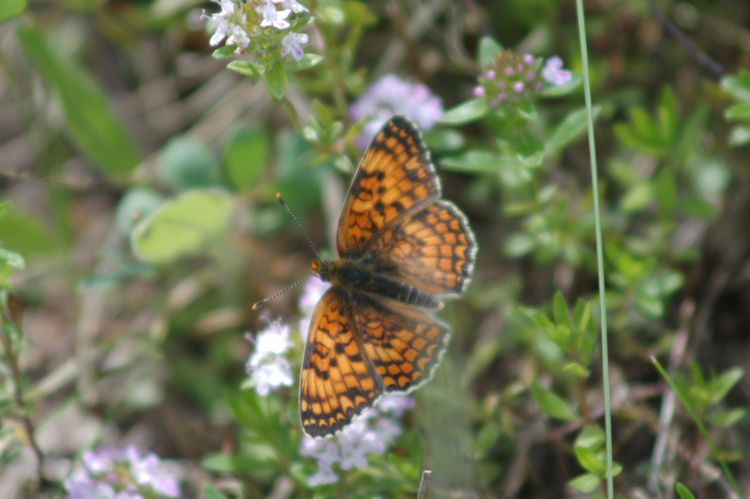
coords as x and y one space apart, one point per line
9 328
599 245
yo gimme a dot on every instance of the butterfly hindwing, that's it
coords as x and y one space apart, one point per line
404 344
432 249
394 177
337 382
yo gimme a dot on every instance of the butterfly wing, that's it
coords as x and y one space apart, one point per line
394 177
432 249
337 382
404 344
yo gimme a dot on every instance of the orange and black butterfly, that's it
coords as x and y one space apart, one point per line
401 251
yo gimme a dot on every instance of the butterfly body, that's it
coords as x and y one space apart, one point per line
368 277
402 250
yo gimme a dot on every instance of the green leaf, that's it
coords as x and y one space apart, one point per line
576 370
739 136
134 206
308 61
444 140
24 233
276 81
552 404
182 226
541 321
12 259
738 112
185 163
721 385
210 492
488 50
466 112
359 13
92 124
637 198
222 463
591 437
570 128
11 8
528 149
245 156
585 483
683 491
725 419
224 52
738 86
518 245
560 311
245 68
473 161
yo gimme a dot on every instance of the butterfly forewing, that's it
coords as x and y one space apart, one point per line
394 177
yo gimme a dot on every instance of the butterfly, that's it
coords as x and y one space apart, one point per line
402 250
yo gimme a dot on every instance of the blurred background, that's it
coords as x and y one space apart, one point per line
138 225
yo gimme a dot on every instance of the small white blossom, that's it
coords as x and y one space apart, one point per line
292 45
313 291
292 5
273 17
372 432
554 73
267 367
230 23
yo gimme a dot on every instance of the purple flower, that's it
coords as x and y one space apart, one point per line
554 73
292 45
267 367
121 473
372 432
391 95
510 79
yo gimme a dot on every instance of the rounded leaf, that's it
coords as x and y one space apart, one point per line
182 225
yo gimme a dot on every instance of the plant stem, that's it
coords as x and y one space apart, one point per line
8 326
599 245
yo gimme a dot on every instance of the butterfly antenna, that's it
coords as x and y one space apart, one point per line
299 224
275 295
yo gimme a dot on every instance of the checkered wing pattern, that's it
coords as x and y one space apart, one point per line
337 381
432 249
394 177
404 344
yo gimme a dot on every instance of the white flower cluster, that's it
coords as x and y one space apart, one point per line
267 366
372 432
240 22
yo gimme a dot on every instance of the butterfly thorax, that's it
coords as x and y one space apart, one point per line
367 277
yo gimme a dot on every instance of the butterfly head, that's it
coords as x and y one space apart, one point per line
323 268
